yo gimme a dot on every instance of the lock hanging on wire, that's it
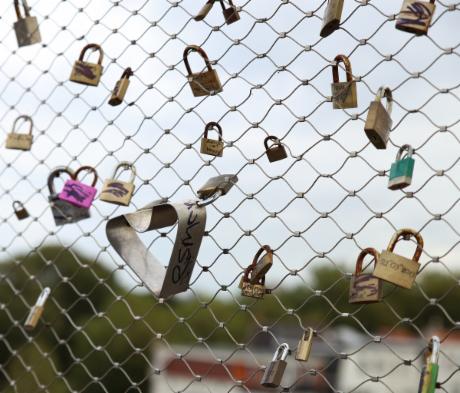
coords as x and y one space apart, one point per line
37 310
430 371
274 372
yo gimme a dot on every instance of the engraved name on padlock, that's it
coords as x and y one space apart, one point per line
378 121
402 169
20 211
252 289
119 91
344 94
37 310
415 16
212 147
395 268
430 371
76 192
365 288
274 372
304 347
116 191
276 151
26 27
332 16
19 141
85 72
202 83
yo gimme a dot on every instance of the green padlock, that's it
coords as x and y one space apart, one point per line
402 169
430 371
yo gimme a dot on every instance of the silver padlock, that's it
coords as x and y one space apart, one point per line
26 27
217 186
274 372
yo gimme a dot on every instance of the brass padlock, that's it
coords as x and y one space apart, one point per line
37 310
304 347
274 372
26 27
202 83
20 211
231 14
344 94
262 265
85 72
365 288
119 91
276 151
212 147
19 141
332 16
378 121
117 191
415 16
430 371
395 268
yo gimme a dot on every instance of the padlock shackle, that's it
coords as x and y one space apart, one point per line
26 119
204 11
127 73
265 262
212 125
89 169
18 9
265 248
359 262
125 166
15 205
55 174
201 52
405 232
95 47
335 68
276 142
385 92
433 350
402 149
41 300
248 273
307 334
281 352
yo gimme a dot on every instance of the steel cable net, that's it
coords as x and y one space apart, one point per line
101 330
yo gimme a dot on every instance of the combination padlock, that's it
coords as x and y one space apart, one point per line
402 169
20 141
365 288
430 371
20 211
344 94
276 151
85 72
415 16
304 347
119 91
274 372
78 193
26 27
117 191
212 147
378 121
332 16
37 310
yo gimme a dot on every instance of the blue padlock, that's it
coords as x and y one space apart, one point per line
402 169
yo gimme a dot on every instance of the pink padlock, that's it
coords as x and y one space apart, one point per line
78 193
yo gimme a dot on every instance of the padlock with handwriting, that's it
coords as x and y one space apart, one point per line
402 169
344 94
20 211
276 151
20 141
78 193
212 147
119 91
332 16
85 72
252 283
26 27
365 288
415 16
117 191
378 121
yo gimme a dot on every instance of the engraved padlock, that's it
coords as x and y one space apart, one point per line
415 16
20 211
37 310
402 169
395 268
117 191
217 186
63 212
20 141
304 347
119 91
78 193
202 83
254 289
378 121
85 72
212 147
344 94
276 151
204 11
365 288
26 27
274 372
231 14
332 17
430 371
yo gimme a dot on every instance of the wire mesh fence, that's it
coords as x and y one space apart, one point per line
101 329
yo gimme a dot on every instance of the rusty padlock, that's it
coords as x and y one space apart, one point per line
231 14
344 94
276 151
212 147
119 91
365 288
415 16
20 141
249 288
378 121
332 16
85 72
26 27
20 211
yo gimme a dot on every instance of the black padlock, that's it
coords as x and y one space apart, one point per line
20 210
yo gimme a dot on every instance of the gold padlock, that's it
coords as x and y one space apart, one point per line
276 151
19 141
332 16
119 91
344 94
20 211
116 191
365 288
395 268
202 83
26 27
212 147
304 347
378 121
415 16
85 72
37 310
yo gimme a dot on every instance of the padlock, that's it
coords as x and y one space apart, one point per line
430 371
395 268
231 14
117 191
20 141
119 91
204 11
276 151
378 121
344 94
26 27
202 83
262 265
415 16
255 290
275 370
304 347
402 169
332 16
78 193
365 288
37 310
218 185
20 211
63 212
212 147
85 72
